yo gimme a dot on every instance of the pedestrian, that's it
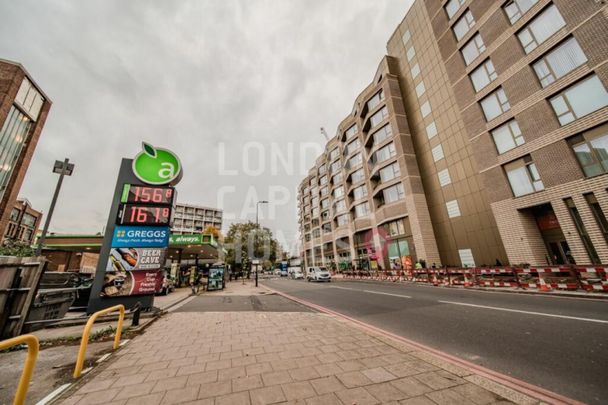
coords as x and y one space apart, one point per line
194 280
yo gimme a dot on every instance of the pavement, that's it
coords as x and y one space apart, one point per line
559 344
275 352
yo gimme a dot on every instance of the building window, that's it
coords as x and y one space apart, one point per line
579 100
598 214
437 152
516 8
406 36
431 130
411 52
29 98
325 203
394 228
382 134
335 166
378 117
393 193
420 89
375 100
415 71
389 172
334 154
323 180
463 25
355 161
444 177
360 192
338 192
357 176
541 28
315 201
425 109
559 62
523 177
362 210
384 153
453 208
352 147
324 191
340 206
352 131
12 138
337 178
452 7
582 230
507 136
342 220
315 212
466 257
483 75
326 227
591 150
322 169
495 104
473 49
15 214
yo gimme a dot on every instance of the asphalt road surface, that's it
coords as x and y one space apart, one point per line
560 344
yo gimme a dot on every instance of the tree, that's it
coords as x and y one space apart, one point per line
246 240
212 230
12 247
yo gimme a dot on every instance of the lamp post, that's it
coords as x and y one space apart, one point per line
257 225
64 168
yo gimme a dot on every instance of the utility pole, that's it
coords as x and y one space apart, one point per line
257 225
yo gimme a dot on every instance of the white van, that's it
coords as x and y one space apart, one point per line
317 274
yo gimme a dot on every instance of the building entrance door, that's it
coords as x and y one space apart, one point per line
558 251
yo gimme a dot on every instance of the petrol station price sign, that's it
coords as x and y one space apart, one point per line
147 195
130 214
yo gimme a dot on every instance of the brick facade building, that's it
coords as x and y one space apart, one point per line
24 222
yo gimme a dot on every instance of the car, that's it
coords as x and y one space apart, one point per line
297 274
283 273
317 274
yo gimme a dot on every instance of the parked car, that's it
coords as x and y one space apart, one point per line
318 274
297 274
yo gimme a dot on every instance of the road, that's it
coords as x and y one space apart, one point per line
560 344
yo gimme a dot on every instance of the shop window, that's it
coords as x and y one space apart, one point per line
473 49
598 214
579 100
541 28
523 177
591 151
582 230
483 75
495 104
559 62
507 136
515 9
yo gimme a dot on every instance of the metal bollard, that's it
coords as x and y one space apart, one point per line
136 310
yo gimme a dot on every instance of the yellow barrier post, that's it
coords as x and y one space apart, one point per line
87 330
30 362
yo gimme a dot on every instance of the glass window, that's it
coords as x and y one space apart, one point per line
351 147
352 131
340 206
437 152
323 180
389 172
559 62
507 136
322 169
466 257
338 192
431 130
579 100
337 178
473 49
394 228
598 214
357 176
516 8
483 75
315 212
379 116
325 203
591 150
361 210
355 161
334 154
453 6
342 220
463 25
411 52
415 71
541 28
315 201
336 166
523 177
360 192
382 134
420 89
406 36
15 214
425 109
495 104
375 100
324 191
393 193
384 153
582 230
29 98
444 177
453 208
13 135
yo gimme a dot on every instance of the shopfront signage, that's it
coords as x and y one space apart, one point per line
157 166
196 239
140 236
129 259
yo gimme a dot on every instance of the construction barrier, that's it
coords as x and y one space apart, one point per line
592 278
33 346
496 277
87 330
464 277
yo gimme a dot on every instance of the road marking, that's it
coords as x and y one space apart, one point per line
385 293
49 398
525 312
344 288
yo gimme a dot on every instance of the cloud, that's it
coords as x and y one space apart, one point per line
189 75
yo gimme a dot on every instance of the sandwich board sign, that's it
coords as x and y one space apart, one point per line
132 257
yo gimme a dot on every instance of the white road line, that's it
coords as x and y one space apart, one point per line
343 288
525 312
385 293
54 394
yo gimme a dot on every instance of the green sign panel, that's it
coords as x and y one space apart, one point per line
196 239
157 166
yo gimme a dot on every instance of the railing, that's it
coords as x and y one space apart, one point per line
30 362
87 330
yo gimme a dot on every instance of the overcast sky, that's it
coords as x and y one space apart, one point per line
190 75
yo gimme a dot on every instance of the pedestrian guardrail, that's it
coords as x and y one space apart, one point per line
33 346
87 331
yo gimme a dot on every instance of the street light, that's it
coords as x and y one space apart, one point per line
64 168
257 225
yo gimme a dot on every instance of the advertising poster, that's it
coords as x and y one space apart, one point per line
128 259
136 282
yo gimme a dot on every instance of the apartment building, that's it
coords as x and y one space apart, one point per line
23 111
503 104
190 219
24 222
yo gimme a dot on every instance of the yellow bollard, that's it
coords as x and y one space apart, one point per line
87 330
30 362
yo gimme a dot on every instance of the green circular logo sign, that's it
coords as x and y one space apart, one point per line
157 166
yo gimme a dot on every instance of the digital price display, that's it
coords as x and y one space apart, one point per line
131 214
147 195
